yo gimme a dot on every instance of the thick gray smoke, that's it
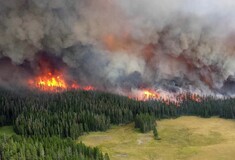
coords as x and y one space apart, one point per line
179 45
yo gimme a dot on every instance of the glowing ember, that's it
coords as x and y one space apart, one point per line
88 88
85 88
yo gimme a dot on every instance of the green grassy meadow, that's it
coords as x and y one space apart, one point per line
184 138
6 130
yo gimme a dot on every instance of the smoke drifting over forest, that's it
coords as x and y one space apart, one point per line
117 45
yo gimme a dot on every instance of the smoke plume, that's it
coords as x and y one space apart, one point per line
166 45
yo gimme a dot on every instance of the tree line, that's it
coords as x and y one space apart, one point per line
73 113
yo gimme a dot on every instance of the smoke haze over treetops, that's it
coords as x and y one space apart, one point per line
179 45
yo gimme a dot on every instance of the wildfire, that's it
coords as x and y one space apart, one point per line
195 98
167 97
55 83
49 82
149 94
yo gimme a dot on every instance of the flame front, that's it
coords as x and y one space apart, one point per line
49 82
167 97
55 83
149 94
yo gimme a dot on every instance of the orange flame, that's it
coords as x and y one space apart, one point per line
149 94
49 82
166 97
55 83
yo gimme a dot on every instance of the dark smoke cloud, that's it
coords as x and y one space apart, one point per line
170 45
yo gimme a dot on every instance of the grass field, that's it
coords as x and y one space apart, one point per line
190 138
6 130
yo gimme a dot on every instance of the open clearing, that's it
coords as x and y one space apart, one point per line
6 130
190 138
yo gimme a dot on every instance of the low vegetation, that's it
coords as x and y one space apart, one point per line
190 138
6 131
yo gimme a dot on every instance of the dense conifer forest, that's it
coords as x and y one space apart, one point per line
38 117
19 147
